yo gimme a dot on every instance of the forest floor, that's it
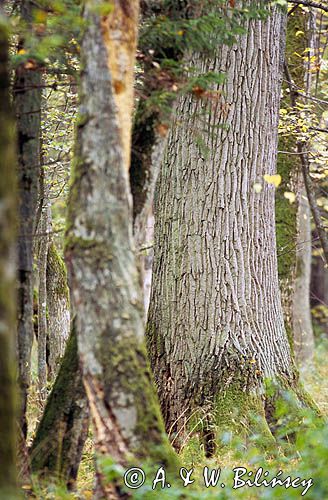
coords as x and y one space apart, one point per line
315 381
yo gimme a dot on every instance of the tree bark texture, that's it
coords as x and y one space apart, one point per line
215 327
58 306
27 102
8 222
100 256
57 447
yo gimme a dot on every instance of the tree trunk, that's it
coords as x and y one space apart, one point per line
27 102
42 301
8 204
288 166
293 220
319 292
100 255
216 328
60 437
58 310
302 321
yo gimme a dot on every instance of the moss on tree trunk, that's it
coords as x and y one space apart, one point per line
8 205
288 166
57 447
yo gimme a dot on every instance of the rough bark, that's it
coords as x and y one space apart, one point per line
58 310
60 437
100 255
27 102
215 327
8 205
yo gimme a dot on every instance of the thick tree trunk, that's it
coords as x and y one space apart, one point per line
27 101
60 437
216 328
8 203
100 255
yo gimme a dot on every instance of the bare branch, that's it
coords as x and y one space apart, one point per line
310 3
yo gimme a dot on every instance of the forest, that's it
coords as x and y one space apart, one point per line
163 249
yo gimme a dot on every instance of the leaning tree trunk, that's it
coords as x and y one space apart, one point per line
8 203
106 295
60 437
27 101
215 327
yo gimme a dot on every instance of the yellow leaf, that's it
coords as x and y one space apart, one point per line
257 187
299 33
40 16
273 179
291 197
22 52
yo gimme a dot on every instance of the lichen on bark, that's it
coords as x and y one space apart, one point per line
104 281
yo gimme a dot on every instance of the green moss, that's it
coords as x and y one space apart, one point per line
242 414
47 448
127 361
288 166
56 269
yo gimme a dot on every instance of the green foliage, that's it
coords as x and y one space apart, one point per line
50 34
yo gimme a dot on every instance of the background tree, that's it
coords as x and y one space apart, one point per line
27 102
8 203
58 444
292 213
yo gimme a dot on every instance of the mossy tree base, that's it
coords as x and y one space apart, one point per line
264 416
57 448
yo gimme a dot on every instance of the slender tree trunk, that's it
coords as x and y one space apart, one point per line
293 221
8 204
27 101
100 254
42 301
302 321
60 437
215 327
58 310
289 167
